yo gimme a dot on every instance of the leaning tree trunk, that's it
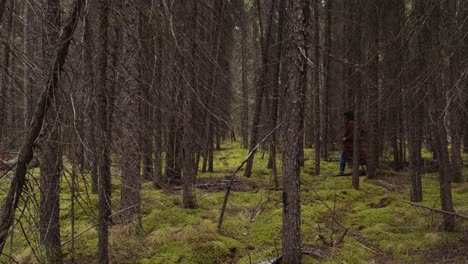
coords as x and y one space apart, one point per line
50 156
26 152
292 132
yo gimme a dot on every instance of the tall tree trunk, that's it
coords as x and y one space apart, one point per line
5 77
90 87
437 107
245 88
356 59
188 138
316 83
130 191
454 87
392 45
292 132
104 134
147 68
275 90
265 40
415 105
325 112
372 60
29 62
50 157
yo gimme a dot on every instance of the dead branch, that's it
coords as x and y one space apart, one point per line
437 210
233 176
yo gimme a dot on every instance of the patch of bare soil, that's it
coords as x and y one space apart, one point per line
390 182
380 257
448 253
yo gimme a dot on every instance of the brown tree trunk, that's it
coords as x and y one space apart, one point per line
188 138
147 68
29 25
103 132
393 49
130 191
325 112
372 83
90 88
245 88
50 156
318 124
265 40
292 132
436 108
275 90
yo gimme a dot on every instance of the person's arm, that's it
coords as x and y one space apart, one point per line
348 134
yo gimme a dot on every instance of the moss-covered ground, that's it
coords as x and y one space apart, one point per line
338 224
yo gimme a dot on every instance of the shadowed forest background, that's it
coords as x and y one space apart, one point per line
210 131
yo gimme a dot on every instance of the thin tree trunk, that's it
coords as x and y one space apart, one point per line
260 86
103 133
29 61
325 112
245 88
356 83
316 82
275 90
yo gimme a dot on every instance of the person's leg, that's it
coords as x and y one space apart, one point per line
342 163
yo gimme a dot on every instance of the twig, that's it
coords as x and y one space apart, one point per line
233 175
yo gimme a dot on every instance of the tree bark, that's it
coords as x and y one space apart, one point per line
292 133
104 133
275 90
50 156
372 60
245 88
188 138
265 40
318 124
130 191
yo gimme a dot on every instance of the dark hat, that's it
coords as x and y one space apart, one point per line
349 115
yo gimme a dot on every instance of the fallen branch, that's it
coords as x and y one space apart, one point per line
26 154
437 210
233 176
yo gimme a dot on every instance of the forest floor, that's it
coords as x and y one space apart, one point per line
338 224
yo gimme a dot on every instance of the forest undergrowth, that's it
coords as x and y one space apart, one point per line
338 224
